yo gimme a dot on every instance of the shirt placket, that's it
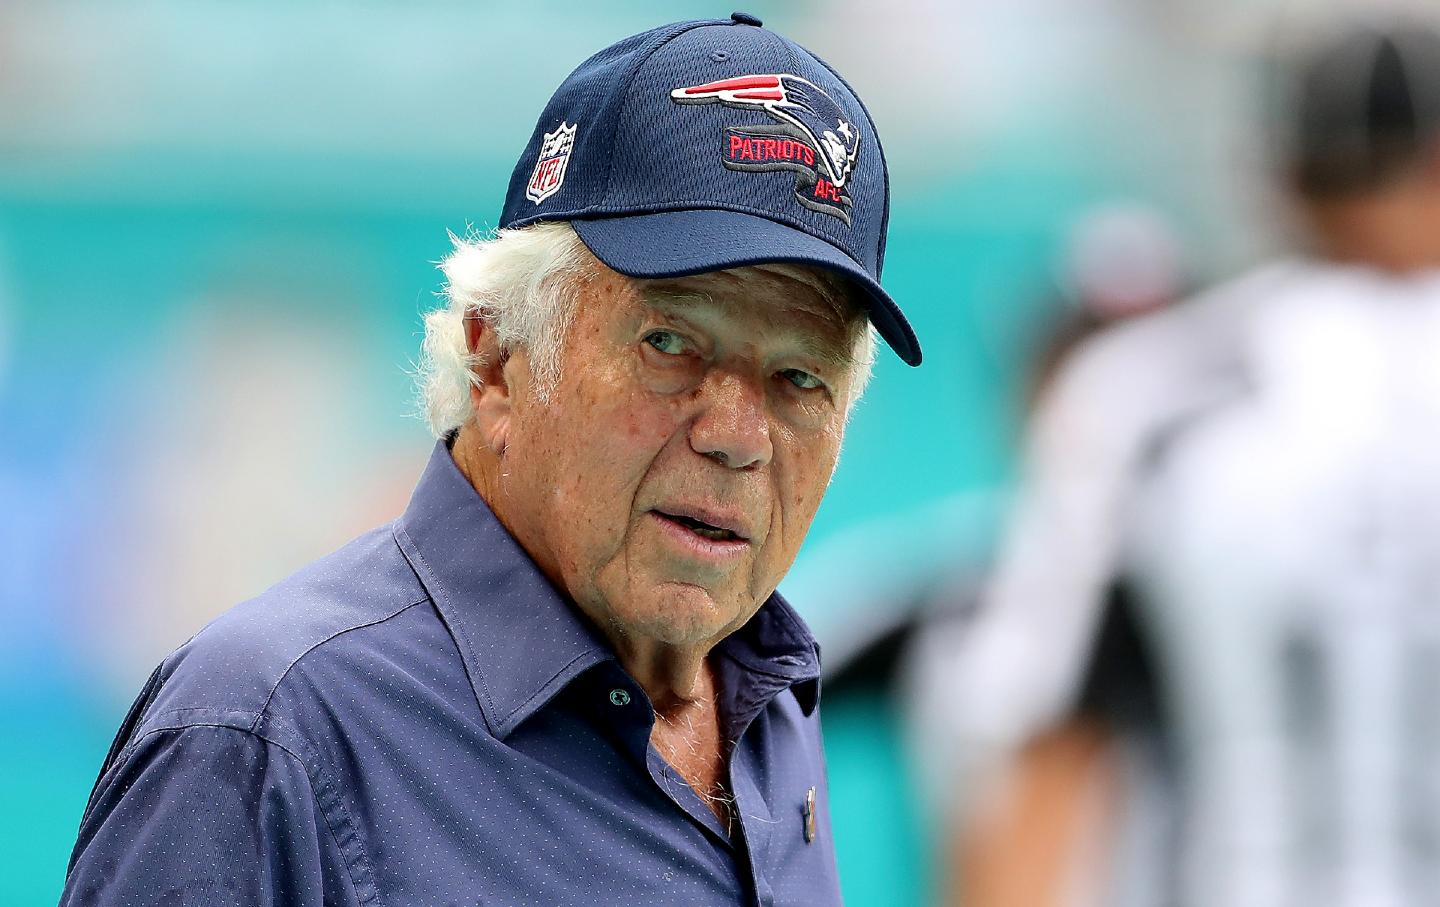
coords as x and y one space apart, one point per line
630 711
753 811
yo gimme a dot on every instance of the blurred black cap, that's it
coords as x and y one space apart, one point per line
1368 105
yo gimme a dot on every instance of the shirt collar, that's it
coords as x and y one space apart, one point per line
778 644
520 638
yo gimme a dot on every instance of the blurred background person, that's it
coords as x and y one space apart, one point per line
1205 669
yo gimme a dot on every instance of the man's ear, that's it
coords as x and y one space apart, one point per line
490 401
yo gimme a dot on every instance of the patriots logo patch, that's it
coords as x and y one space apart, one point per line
812 135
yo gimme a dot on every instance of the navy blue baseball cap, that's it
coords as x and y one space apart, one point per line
708 145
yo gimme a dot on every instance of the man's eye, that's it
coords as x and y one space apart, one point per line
802 380
667 342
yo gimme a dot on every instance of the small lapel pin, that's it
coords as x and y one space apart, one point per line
810 815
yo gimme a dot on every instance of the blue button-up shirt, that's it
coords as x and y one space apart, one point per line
421 718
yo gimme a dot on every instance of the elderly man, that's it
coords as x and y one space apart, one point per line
563 675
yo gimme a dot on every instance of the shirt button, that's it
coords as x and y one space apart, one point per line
619 696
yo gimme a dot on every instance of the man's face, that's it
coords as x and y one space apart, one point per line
670 479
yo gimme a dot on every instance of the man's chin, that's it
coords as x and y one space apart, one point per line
680 613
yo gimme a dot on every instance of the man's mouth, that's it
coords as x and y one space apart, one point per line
702 528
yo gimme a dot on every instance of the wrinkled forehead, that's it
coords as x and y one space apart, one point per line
776 297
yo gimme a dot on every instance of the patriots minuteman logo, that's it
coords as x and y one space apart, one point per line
549 172
814 136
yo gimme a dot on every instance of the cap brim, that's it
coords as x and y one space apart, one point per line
681 243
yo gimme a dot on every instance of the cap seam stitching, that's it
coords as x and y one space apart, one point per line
629 91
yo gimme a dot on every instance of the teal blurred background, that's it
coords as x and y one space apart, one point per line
218 229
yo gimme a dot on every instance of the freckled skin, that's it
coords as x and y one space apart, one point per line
623 434
630 428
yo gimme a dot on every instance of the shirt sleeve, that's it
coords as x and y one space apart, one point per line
206 815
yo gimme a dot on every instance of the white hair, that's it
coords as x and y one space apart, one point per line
525 283
522 283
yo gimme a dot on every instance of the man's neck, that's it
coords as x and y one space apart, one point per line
1396 231
688 735
478 464
674 677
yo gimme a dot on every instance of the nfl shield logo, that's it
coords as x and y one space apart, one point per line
550 168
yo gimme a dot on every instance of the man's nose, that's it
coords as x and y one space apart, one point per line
733 427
